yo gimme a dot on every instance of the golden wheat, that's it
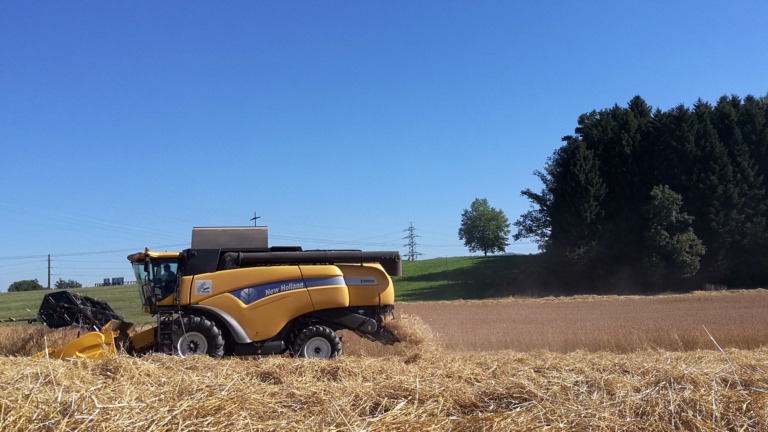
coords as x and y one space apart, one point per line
737 319
417 386
26 340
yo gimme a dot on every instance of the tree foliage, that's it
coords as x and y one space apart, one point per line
657 199
673 250
484 228
25 285
67 284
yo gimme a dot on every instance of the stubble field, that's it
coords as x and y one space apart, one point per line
472 368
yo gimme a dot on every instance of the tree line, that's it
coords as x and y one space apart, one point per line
35 285
640 199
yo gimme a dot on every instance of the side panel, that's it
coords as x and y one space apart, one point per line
326 287
168 301
369 285
185 285
263 318
261 299
209 285
388 296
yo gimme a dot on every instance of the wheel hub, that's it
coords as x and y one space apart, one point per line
193 346
192 343
318 347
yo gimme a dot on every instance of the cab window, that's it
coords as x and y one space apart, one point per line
161 278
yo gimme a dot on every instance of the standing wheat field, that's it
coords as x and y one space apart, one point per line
736 319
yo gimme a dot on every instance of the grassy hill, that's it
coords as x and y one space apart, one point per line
427 280
454 278
123 299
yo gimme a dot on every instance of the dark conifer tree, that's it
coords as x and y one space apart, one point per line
641 194
748 182
753 125
577 213
713 197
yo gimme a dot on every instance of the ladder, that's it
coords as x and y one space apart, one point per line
165 332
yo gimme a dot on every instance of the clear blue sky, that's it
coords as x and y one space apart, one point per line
124 124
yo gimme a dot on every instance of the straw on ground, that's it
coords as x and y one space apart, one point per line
418 386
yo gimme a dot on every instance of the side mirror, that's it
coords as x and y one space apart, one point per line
146 265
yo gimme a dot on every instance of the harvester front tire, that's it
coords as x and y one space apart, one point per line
194 335
317 342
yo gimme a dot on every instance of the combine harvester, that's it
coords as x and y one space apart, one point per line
231 294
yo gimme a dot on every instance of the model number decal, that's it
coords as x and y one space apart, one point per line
203 287
357 280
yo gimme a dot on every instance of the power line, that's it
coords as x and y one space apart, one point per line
92 261
93 268
112 230
100 235
24 270
357 241
72 254
37 261
58 214
333 242
411 237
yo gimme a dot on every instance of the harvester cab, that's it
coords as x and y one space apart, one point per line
232 294
156 276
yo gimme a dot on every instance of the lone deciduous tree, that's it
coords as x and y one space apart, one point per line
673 247
484 228
25 285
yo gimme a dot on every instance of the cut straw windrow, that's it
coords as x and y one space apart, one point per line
418 386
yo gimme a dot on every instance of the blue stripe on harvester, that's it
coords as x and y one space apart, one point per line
254 293
324 281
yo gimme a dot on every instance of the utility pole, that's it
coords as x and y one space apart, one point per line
411 237
49 271
255 219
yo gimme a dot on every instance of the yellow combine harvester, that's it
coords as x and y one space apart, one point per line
231 294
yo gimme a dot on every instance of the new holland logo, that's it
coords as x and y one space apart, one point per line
254 293
284 287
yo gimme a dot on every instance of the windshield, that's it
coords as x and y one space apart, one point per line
159 283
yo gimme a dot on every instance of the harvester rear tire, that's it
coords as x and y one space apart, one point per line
317 342
195 335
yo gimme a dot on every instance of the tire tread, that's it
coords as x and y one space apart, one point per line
214 335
